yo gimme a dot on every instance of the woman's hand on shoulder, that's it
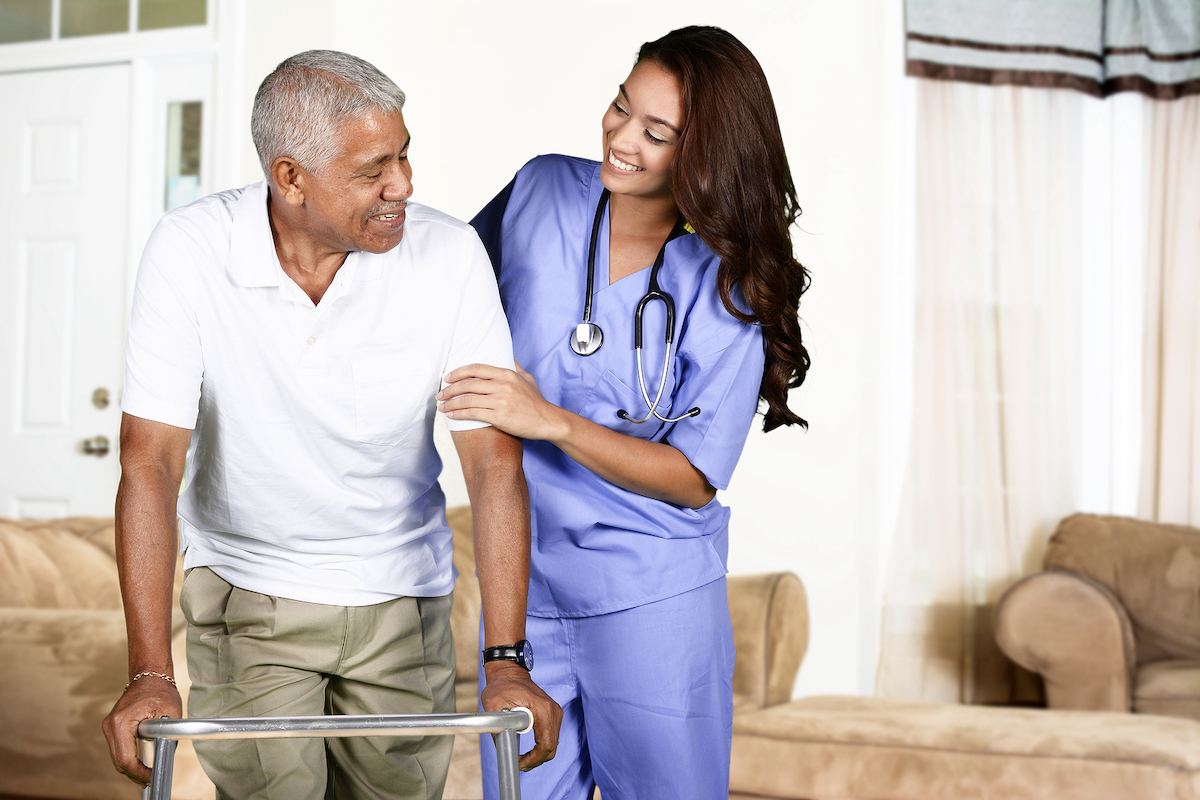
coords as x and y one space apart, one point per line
507 399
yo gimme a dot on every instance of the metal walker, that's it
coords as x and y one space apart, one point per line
165 733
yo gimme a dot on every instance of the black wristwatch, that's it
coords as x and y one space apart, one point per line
521 652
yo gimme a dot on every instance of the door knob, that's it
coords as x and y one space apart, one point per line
100 398
95 446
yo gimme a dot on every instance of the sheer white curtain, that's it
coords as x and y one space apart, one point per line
1170 489
996 387
1057 339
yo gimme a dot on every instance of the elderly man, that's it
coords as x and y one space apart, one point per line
293 334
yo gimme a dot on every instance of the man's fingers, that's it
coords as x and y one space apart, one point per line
545 735
539 755
122 736
121 725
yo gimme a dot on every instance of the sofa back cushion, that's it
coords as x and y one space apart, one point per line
464 618
52 564
1153 568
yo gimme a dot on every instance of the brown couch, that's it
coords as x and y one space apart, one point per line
63 658
1113 623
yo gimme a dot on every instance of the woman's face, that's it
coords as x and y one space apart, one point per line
641 133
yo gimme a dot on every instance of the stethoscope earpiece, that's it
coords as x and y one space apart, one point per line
587 336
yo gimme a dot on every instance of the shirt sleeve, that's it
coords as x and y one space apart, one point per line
481 334
163 361
721 376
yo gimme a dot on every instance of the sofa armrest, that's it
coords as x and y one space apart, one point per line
1075 634
770 633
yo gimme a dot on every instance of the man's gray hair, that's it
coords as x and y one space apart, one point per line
301 106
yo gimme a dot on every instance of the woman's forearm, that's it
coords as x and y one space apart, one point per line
647 468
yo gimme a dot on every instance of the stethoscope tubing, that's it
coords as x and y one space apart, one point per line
588 336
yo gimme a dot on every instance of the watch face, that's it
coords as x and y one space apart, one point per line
525 654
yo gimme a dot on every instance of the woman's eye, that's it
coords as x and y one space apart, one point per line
654 138
618 108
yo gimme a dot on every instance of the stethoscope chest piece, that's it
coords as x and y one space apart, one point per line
586 338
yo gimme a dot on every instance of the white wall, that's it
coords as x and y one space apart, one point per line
492 84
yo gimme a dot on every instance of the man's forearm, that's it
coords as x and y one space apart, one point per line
146 553
500 506
500 499
152 461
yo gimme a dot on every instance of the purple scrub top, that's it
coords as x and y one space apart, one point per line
598 548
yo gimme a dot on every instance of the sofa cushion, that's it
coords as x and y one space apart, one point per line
464 615
827 748
1171 688
62 670
1153 568
46 564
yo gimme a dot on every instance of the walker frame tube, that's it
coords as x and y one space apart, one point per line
504 724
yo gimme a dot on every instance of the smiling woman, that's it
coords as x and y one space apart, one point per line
641 130
628 558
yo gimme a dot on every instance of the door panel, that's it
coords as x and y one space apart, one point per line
63 261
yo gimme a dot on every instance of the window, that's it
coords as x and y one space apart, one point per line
183 154
38 20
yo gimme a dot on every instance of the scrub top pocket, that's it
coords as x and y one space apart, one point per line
611 394
392 395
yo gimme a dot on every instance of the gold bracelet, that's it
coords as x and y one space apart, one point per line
166 678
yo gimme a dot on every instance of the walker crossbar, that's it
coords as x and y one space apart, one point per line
166 732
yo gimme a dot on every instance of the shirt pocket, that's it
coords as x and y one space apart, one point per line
610 394
393 397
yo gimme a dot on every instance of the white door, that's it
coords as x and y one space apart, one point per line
63 260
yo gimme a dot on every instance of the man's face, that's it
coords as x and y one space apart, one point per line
358 201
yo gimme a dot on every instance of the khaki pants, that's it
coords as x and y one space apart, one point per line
251 655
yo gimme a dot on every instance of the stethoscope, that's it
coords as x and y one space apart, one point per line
588 337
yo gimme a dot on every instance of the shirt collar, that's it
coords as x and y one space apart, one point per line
253 260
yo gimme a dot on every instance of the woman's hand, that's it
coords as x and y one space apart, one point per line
507 399
511 402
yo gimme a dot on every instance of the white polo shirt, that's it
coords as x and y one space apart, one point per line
312 473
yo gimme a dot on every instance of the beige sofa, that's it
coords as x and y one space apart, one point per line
1113 626
63 663
63 658
1113 623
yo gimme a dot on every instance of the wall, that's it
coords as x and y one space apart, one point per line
492 84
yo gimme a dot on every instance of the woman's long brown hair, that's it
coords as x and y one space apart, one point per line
731 181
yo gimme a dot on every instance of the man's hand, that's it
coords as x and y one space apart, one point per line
509 686
148 698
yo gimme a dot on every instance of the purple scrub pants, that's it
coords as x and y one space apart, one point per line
647 698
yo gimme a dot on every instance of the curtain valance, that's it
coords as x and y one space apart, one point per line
1096 46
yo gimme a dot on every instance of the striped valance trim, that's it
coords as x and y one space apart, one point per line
1061 51
1099 47
1006 48
1145 51
1159 91
1004 77
1083 71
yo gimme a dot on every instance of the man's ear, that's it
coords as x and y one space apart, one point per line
288 176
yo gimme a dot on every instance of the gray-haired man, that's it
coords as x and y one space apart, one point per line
293 333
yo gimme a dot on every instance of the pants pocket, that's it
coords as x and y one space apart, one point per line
204 599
